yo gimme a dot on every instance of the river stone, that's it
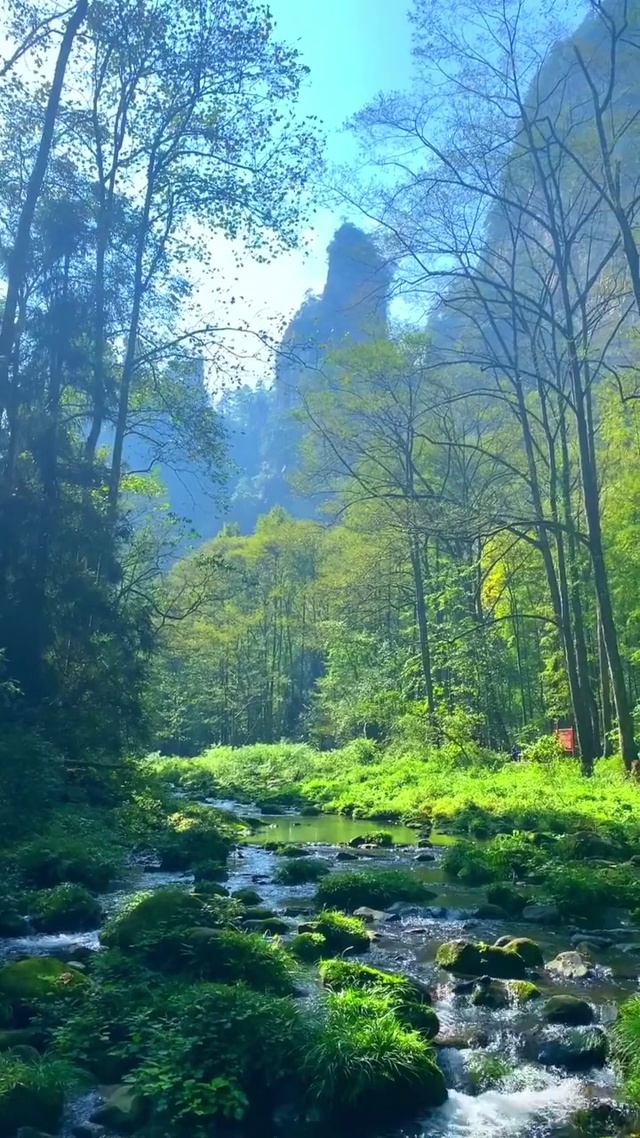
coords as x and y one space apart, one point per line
530 952
597 943
577 1050
124 1110
369 915
489 912
425 844
568 1010
495 994
542 914
463 1040
424 855
272 926
470 959
506 897
570 965
346 855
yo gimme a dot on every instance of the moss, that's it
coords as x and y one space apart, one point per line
299 871
308 947
495 994
374 888
410 999
247 896
468 959
67 908
25 983
507 898
342 934
196 835
271 926
524 991
210 872
530 952
229 957
153 925
288 849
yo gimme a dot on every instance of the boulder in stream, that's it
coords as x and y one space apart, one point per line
530 952
491 994
542 913
124 1110
466 958
369 915
576 1050
568 1010
571 965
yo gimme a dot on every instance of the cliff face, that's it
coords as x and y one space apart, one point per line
264 432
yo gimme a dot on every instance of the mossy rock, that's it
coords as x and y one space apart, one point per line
487 912
342 934
271 926
247 896
124 1111
288 849
308 947
530 952
375 888
524 992
210 873
495 994
25 983
569 1010
578 1050
19 1037
258 913
142 927
193 837
67 908
226 956
208 889
411 999
309 811
507 898
468 959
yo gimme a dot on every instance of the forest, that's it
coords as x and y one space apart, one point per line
292 839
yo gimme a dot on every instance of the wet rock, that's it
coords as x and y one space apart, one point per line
631 949
301 910
530 952
502 941
12 924
495 994
477 959
124 1110
309 811
597 943
524 991
542 914
507 898
489 912
571 965
462 1040
568 1010
464 987
346 855
247 896
577 1050
425 844
424 855
272 926
369 915
24 983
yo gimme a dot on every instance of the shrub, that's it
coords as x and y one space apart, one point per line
342 934
376 888
227 956
626 1046
195 835
363 1064
55 860
154 925
412 1003
67 908
218 1055
301 870
26 984
31 1093
288 849
247 896
308 947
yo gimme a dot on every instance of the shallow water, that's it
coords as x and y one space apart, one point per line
531 1101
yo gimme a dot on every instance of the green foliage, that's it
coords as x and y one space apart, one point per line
364 1064
297 871
32 1093
376 888
626 1046
67 908
56 859
308 947
28 985
412 1003
219 1054
153 925
466 958
342 934
230 957
195 835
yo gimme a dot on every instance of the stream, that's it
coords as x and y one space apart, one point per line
532 1100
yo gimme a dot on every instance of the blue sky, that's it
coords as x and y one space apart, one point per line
354 48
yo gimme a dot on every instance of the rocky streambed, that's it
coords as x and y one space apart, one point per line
513 1066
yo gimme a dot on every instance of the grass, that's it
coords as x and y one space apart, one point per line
465 787
376 888
298 871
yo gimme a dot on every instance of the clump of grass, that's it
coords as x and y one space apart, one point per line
376 888
486 1072
363 1063
342 934
299 871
